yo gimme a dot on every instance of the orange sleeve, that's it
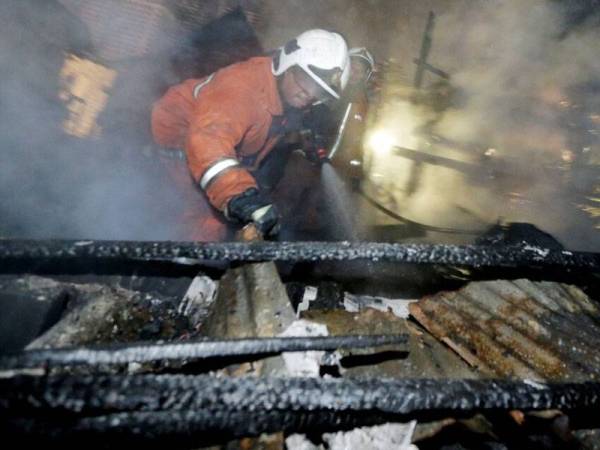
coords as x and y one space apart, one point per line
223 113
170 117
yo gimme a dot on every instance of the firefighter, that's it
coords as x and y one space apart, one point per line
298 190
324 120
217 130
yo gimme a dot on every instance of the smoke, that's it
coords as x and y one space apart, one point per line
52 184
527 74
529 78
524 74
367 23
510 58
523 97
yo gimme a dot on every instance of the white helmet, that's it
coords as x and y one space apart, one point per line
321 54
365 55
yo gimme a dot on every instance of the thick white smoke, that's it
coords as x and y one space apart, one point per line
521 68
526 77
53 185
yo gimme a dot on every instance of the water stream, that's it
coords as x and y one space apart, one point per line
343 210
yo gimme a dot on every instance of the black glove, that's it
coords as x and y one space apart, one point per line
251 206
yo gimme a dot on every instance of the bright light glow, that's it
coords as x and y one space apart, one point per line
380 141
354 162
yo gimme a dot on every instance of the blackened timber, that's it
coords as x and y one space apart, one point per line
35 252
86 396
422 157
425 49
425 66
188 351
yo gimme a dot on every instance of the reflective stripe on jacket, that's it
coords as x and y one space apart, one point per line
229 119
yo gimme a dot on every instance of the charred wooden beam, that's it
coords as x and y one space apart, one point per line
422 157
189 351
35 252
171 407
425 66
424 52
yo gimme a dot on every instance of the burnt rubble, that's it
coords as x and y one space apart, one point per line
153 352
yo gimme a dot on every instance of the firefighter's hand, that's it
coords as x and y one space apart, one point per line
266 220
251 207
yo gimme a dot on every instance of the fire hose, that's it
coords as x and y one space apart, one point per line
388 212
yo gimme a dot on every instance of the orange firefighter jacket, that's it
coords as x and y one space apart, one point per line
220 120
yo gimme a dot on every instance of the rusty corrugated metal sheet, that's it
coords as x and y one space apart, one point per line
522 329
425 358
